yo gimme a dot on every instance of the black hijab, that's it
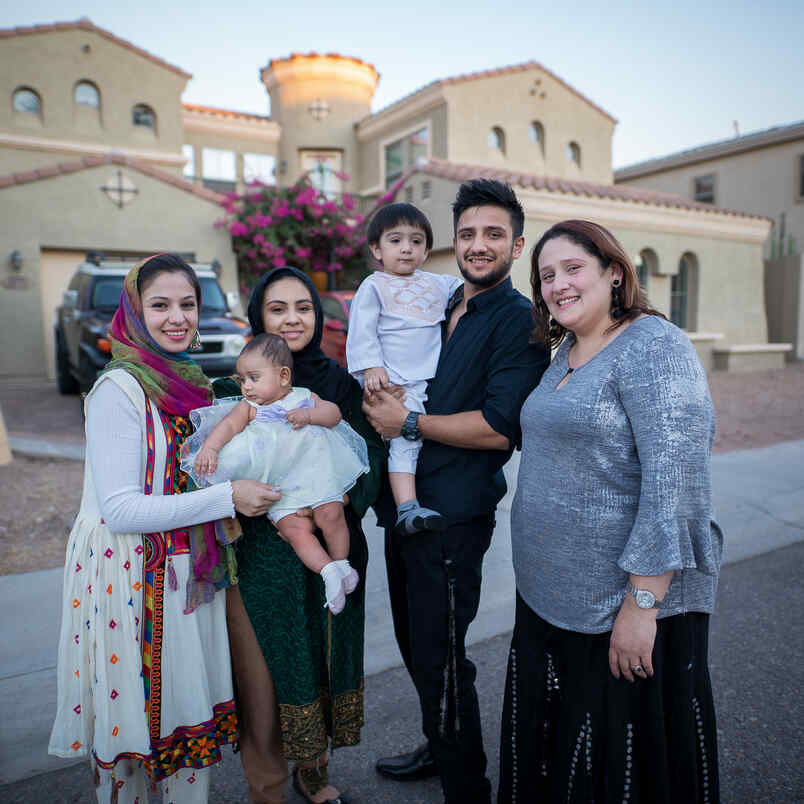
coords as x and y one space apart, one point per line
311 367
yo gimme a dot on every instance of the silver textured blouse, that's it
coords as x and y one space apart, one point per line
615 478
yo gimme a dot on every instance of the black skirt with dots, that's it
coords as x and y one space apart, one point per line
571 732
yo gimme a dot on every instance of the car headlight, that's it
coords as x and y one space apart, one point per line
234 345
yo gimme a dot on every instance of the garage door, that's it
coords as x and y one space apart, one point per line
56 270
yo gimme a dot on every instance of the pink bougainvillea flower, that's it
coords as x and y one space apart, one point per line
303 252
348 201
339 174
279 262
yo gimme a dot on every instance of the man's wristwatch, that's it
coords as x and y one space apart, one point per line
645 599
410 428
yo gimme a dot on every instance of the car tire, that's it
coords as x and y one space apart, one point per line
87 372
67 384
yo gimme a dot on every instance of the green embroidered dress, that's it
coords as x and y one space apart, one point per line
316 660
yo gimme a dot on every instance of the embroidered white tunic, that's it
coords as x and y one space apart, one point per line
102 701
395 322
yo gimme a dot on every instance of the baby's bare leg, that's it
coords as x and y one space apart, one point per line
297 531
329 518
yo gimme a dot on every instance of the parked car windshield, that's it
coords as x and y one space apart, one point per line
212 299
106 293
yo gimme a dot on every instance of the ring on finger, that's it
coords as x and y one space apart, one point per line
638 669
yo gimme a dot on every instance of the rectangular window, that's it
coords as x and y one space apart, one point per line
801 176
189 166
218 165
259 167
409 194
704 188
427 189
404 153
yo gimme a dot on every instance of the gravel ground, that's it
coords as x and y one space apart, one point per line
39 497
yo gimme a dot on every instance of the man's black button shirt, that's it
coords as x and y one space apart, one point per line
487 364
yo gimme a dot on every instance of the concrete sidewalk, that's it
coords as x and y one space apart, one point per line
759 497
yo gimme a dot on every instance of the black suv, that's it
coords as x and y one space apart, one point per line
88 304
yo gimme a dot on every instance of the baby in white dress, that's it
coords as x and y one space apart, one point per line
291 438
395 337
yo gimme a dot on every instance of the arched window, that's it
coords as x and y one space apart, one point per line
536 134
574 153
27 100
86 94
143 115
646 264
497 139
684 294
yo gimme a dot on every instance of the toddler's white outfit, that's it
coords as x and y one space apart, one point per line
312 466
395 322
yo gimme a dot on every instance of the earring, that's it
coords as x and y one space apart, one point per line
195 343
617 311
554 329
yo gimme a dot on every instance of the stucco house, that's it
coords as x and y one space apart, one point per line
98 152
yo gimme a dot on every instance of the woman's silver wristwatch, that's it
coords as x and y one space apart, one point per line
645 599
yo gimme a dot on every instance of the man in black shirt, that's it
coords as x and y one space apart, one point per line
486 370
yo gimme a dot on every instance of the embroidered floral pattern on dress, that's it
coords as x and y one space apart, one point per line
417 296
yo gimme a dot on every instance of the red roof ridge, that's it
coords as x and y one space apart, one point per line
314 54
87 162
218 111
462 172
493 73
85 24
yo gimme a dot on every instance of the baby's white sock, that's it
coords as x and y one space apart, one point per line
349 574
333 587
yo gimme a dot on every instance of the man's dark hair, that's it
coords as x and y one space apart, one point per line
488 193
392 215
272 347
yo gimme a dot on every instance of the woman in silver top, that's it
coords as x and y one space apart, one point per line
615 551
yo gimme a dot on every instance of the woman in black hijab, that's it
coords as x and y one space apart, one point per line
276 619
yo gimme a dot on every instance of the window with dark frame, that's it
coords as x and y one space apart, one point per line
704 188
404 153
143 115
801 176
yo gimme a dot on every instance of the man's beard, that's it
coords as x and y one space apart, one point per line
490 279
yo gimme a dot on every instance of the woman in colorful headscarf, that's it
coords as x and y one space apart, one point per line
276 619
144 676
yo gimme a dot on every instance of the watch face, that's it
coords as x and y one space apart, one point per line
645 599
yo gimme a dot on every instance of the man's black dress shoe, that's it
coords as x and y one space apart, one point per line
418 764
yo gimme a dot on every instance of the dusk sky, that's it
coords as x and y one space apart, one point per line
675 75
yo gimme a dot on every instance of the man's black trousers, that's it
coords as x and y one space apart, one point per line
434 583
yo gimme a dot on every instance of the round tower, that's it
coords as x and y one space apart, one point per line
317 99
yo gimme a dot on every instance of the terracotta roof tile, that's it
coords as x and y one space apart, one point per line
85 24
313 54
215 111
454 171
88 162
513 68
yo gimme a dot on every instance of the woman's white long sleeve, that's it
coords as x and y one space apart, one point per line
115 441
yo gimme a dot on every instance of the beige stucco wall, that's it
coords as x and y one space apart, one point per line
71 213
507 101
730 292
763 181
784 302
52 63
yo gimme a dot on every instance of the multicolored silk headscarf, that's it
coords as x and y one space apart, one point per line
177 385
173 381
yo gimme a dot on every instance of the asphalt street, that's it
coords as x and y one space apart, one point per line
757 664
